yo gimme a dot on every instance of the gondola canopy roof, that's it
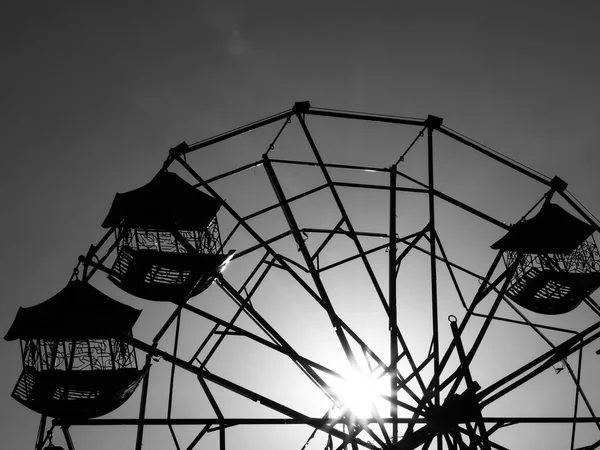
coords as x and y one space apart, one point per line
79 311
166 202
552 230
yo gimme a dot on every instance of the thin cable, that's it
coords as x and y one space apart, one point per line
534 206
420 135
238 128
272 144
497 152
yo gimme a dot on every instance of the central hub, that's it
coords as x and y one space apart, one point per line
456 409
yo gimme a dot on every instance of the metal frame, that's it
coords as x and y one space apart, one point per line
420 394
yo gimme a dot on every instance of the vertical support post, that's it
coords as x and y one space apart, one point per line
172 378
576 407
392 306
222 437
433 122
143 400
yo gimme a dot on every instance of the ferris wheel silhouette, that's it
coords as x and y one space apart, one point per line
298 302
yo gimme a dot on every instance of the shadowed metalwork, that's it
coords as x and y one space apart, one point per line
164 243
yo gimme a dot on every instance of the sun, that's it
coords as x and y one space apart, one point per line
359 392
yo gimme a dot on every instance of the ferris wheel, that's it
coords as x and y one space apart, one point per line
325 279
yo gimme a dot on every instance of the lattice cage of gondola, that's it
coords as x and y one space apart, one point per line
557 261
76 361
168 242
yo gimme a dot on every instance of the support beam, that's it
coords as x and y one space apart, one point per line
68 439
289 216
431 124
495 156
41 435
247 393
393 313
311 421
177 151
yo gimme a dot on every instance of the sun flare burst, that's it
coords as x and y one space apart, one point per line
359 393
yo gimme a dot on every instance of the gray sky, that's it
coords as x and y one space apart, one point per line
95 93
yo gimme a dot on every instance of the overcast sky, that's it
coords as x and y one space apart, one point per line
95 93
